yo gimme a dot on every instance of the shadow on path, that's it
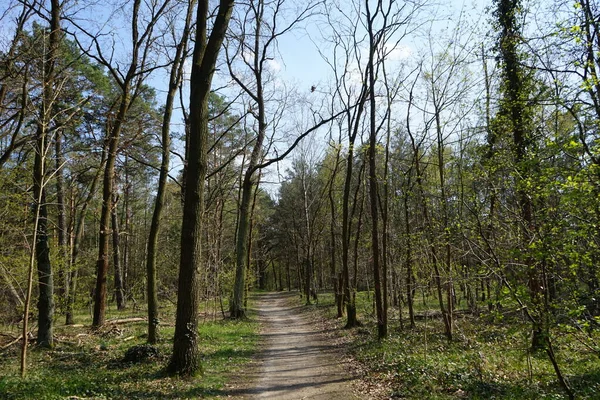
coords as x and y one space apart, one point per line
296 360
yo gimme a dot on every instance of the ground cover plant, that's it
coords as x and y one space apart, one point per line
489 357
92 363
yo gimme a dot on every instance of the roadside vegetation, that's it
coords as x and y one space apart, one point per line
94 364
442 157
488 359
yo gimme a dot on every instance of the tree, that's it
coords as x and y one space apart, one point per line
175 78
130 85
9 90
258 29
515 115
42 248
347 44
185 358
40 237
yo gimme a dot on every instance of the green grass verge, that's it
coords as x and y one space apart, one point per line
87 364
487 360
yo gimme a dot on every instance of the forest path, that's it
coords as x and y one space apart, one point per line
296 360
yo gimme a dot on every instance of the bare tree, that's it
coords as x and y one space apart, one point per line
12 74
257 29
175 79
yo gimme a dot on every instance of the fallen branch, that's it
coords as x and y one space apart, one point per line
125 321
11 343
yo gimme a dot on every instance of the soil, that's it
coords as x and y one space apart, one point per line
297 360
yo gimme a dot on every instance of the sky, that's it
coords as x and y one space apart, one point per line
297 65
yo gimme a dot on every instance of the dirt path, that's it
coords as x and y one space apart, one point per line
297 361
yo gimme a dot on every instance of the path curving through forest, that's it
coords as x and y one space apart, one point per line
297 360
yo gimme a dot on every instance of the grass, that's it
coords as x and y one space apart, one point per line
87 364
487 359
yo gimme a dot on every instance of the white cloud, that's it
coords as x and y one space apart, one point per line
399 53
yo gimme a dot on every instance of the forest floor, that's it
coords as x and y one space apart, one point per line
297 359
288 350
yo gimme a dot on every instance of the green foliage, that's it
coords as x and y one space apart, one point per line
89 364
488 359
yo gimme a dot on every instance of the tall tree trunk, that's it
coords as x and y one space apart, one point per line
236 307
249 245
127 217
373 195
42 248
105 215
337 290
410 288
118 272
61 222
151 273
308 256
185 359
77 238
349 297
129 87
351 320
515 108
445 218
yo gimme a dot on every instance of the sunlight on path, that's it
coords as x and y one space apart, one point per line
297 361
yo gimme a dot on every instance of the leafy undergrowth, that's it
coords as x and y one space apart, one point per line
89 364
486 360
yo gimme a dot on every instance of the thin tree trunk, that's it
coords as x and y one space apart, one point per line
424 208
61 224
99 316
445 220
77 238
151 273
410 290
118 273
337 290
373 190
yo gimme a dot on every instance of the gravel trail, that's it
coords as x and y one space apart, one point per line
297 360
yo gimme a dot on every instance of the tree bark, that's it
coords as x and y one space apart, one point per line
117 269
337 290
105 215
236 307
353 125
514 107
410 289
42 247
77 237
373 196
185 359
151 273
61 224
